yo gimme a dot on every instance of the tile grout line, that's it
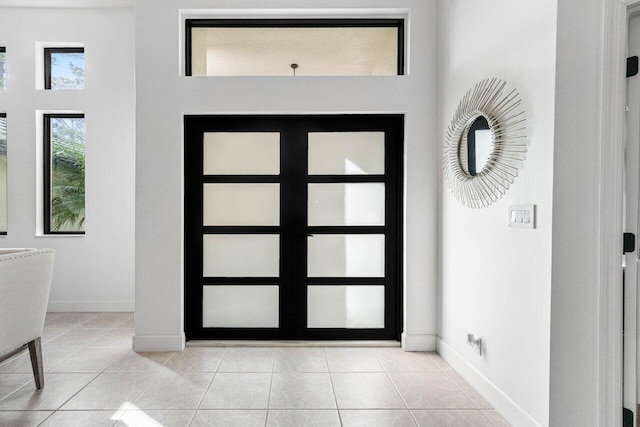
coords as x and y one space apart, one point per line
206 390
72 396
103 371
47 417
446 373
490 421
397 390
28 381
333 390
54 373
273 368
462 391
100 374
154 375
193 417
65 359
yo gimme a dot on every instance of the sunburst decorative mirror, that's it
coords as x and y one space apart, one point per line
485 143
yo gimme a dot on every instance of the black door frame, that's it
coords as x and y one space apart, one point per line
293 227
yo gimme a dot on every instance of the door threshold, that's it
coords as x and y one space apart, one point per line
243 343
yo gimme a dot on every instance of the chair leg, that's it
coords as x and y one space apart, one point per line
35 351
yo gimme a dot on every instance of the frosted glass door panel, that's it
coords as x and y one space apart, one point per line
351 307
241 255
240 307
346 153
241 204
346 204
241 153
345 255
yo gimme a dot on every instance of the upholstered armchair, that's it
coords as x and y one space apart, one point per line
25 281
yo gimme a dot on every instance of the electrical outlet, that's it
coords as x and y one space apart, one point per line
475 343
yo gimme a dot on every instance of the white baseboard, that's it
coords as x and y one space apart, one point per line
509 409
158 342
90 306
415 342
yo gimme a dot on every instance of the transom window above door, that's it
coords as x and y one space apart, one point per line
294 47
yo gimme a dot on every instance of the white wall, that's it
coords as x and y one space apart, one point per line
575 296
496 280
94 272
163 97
3 194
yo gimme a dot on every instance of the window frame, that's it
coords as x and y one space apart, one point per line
47 62
46 131
398 23
4 233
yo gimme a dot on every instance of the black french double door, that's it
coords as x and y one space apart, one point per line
293 227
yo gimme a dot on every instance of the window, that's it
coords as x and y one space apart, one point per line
3 66
3 174
288 47
64 168
64 68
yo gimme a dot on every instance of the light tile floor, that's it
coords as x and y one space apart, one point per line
93 378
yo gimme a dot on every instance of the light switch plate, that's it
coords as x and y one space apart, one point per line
522 216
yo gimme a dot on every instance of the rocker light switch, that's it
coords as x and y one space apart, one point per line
522 216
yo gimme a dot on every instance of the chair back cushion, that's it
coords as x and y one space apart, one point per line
25 281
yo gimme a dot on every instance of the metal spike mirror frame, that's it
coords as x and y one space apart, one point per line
503 110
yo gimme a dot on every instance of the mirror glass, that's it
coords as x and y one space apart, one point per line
476 146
